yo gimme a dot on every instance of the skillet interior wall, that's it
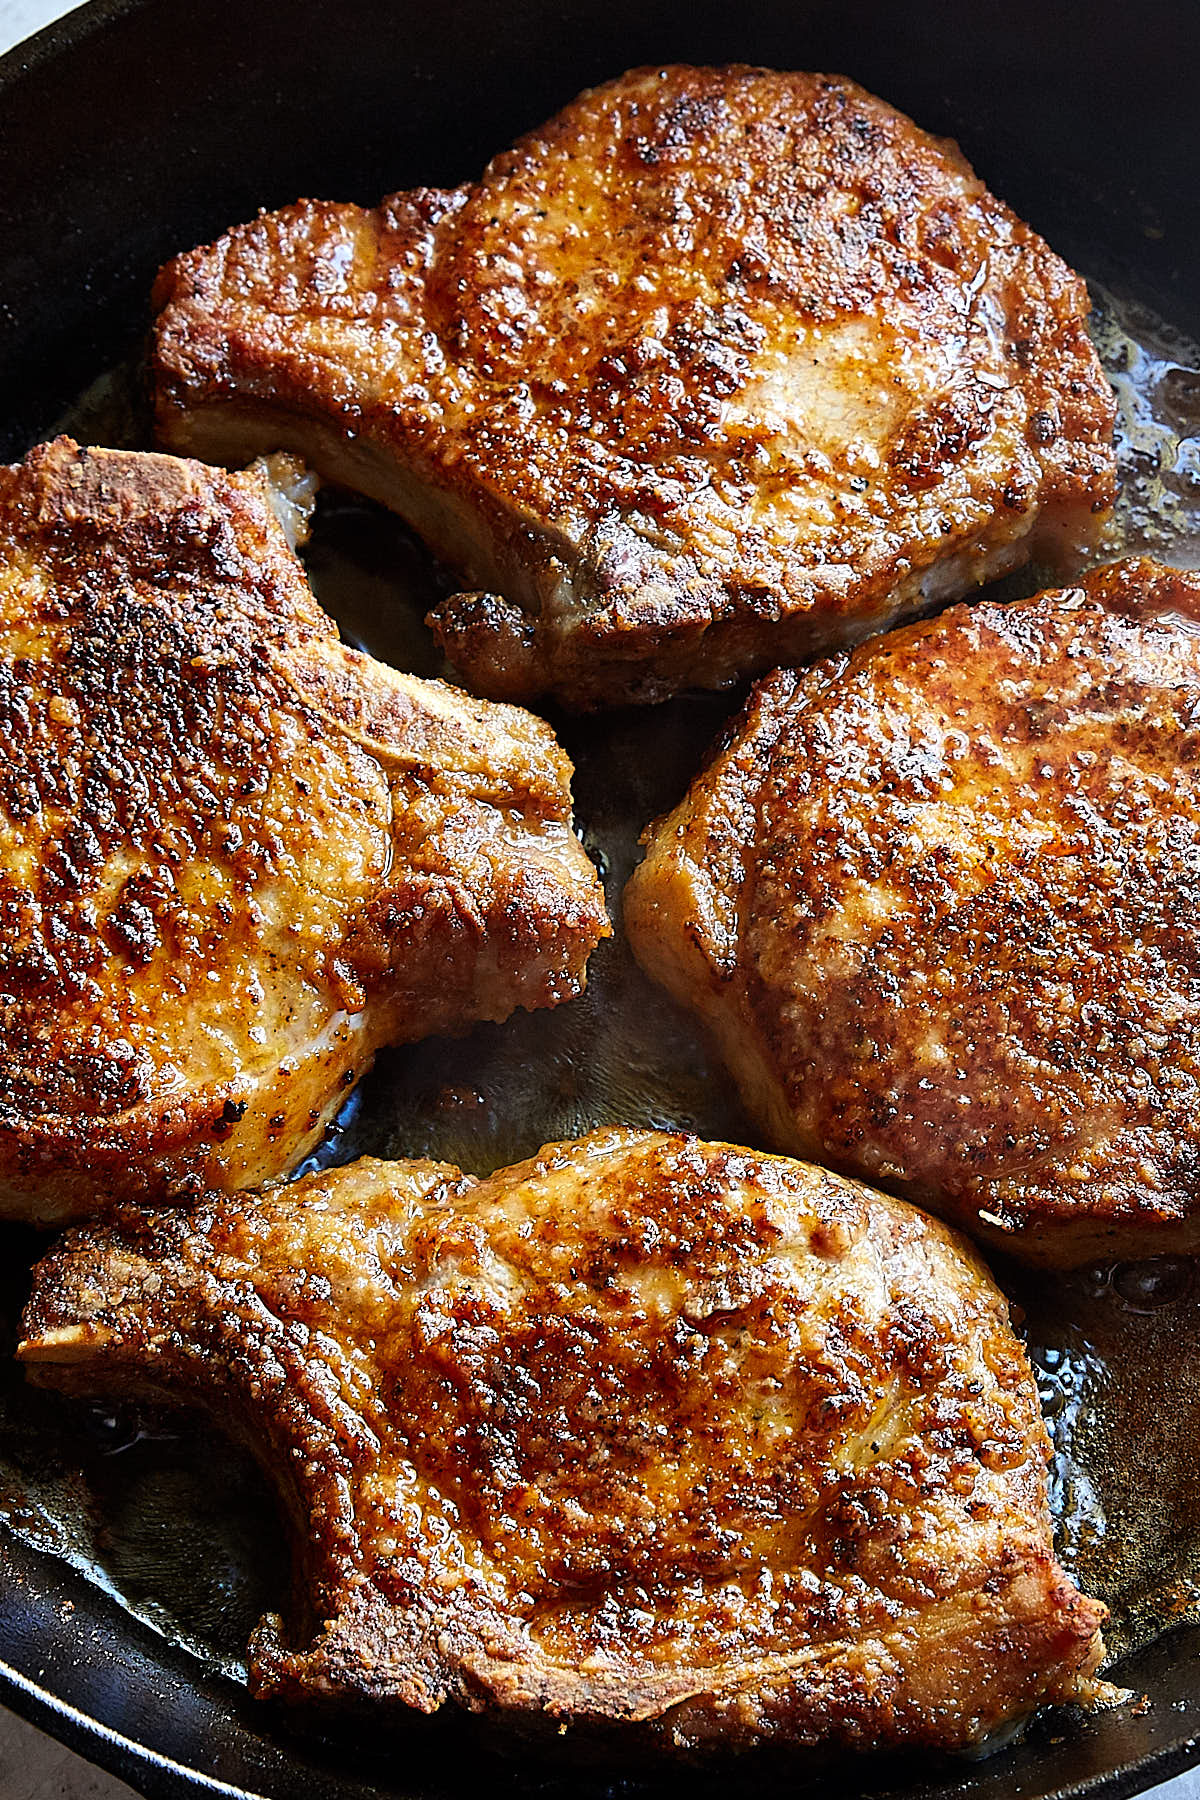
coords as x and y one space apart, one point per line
1081 116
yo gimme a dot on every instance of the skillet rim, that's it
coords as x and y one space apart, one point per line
47 1706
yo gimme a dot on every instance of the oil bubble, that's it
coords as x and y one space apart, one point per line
1147 1287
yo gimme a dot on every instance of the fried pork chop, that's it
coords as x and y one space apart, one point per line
938 899
717 370
646 1434
235 856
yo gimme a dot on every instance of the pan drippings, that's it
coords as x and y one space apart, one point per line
1113 1346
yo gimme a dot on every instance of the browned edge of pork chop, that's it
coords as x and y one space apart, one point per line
719 369
236 856
937 899
657 1439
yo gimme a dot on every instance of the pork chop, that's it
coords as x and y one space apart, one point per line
648 1436
938 900
235 855
719 369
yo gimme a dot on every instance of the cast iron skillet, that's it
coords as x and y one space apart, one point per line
135 128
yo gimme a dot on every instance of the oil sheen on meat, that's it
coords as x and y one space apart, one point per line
674 1443
937 899
172 1524
235 855
717 370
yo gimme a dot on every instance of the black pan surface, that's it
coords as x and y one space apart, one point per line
135 128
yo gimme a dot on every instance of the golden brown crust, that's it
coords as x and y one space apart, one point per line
719 369
235 856
938 899
645 1435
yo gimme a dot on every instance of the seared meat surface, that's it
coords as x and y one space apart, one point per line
650 1436
938 900
235 856
719 369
